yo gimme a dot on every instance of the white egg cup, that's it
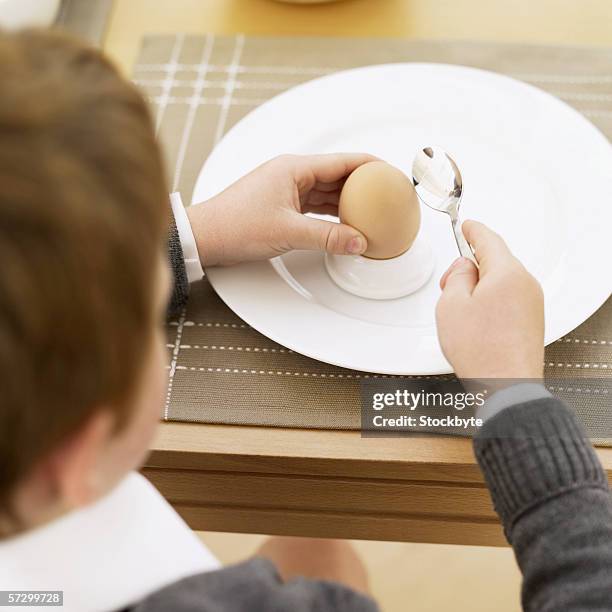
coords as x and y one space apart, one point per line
383 279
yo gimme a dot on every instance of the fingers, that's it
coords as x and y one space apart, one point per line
335 166
322 209
489 248
318 235
491 252
327 168
327 187
316 198
460 279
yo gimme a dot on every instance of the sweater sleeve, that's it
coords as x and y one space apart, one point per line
180 284
552 496
251 586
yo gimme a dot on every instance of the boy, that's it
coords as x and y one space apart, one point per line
83 290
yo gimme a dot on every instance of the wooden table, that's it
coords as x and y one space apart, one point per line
323 483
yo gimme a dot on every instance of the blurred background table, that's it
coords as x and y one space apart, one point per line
523 21
325 483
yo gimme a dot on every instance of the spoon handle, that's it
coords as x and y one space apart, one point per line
464 248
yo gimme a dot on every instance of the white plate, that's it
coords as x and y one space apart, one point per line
534 169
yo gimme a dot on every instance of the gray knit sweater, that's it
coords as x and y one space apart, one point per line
547 486
180 286
552 497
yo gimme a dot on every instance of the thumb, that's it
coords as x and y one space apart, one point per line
489 247
318 235
460 279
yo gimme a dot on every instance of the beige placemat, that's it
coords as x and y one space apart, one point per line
85 18
222 371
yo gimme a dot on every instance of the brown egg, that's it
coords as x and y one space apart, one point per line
380 201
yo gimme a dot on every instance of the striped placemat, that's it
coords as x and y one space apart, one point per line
85 18
222 371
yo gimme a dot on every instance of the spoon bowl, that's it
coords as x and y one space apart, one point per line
438 184
437 179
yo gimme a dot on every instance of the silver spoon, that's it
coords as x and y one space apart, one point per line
438 184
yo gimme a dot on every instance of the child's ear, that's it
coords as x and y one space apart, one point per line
74 466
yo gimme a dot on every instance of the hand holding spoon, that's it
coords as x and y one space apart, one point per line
438 184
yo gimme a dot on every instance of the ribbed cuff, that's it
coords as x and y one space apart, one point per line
180 286
532 452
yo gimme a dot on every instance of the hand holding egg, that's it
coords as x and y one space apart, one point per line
380 201
262 215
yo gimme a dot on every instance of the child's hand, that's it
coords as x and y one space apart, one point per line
491 320
261 215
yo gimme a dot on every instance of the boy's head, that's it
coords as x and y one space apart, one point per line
83 206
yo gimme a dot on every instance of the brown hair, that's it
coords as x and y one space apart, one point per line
83 205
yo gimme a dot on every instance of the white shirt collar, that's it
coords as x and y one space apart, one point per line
115 552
